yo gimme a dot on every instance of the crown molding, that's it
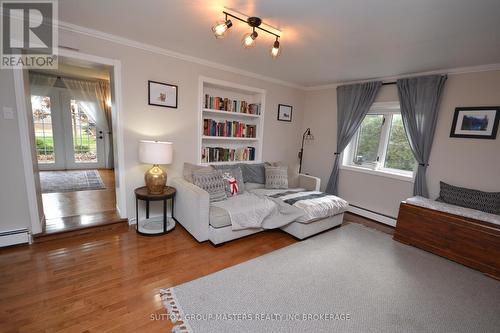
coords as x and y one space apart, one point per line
169 53
449 71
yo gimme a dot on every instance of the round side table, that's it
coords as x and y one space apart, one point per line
141 193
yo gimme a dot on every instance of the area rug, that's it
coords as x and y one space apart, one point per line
69 181
351 279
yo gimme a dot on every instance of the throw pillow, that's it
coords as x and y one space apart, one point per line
276 177
189 168
211 182
254 173
293 173
488 202
233 179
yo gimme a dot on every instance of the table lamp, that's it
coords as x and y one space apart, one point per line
155 152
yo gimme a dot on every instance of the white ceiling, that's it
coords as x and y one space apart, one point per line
323 41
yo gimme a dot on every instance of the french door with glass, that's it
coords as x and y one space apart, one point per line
66 135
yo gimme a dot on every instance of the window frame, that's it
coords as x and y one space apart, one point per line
387 110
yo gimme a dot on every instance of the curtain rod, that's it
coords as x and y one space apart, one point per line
389 83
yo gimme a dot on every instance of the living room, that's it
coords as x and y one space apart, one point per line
375 117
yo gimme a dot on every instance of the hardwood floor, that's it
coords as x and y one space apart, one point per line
70 212
110 281
353 218
57 205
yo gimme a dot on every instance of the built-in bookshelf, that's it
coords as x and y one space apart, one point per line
231 122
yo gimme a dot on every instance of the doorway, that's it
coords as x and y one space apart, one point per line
72 138
67 137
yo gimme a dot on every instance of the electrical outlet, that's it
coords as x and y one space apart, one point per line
8 113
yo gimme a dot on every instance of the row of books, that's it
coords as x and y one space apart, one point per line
219 154
233 129
226 104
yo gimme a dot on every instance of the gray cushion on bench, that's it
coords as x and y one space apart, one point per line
488 202
455 210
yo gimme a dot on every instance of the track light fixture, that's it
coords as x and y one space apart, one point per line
275 50
249 39
221 27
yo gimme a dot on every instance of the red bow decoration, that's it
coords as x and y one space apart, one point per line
233 186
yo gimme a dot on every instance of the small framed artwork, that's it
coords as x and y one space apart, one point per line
162 94
475 122
284 112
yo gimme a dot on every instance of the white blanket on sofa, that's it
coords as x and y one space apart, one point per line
249 210
315 205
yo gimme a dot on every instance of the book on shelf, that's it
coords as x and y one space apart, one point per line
229 129
220 154
229 105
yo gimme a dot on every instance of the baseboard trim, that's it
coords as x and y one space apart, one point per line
373 215
14 237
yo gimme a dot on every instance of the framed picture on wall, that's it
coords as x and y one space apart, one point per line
162 94
284 112
475 122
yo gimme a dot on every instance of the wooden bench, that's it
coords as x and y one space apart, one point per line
467 241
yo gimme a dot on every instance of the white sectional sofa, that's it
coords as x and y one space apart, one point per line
205 221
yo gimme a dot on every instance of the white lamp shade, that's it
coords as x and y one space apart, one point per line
155 152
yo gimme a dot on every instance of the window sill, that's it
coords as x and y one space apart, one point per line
380 173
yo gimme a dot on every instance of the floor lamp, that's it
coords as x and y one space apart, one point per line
306 136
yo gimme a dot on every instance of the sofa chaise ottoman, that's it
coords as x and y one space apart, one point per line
206 221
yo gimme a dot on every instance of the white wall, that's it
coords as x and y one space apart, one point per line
141 121
471 163
14 212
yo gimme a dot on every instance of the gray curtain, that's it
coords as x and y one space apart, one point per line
353 103
419 98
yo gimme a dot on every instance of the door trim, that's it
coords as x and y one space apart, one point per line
36 220
21 100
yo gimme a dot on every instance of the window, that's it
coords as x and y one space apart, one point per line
380 144
84 133
42 120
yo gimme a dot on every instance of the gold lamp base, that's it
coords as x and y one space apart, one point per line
156 179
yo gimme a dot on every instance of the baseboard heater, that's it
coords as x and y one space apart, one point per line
13 237
382 218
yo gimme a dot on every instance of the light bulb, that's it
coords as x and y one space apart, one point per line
220 28
276 50
248 40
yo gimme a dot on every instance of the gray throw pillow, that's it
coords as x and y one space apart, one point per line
293 172
488 202
211 182
233 171
254 173
189 168
276 177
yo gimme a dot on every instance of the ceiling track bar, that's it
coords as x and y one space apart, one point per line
246 21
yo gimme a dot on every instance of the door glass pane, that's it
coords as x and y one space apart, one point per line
368 139
42 120
399 155
84 134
